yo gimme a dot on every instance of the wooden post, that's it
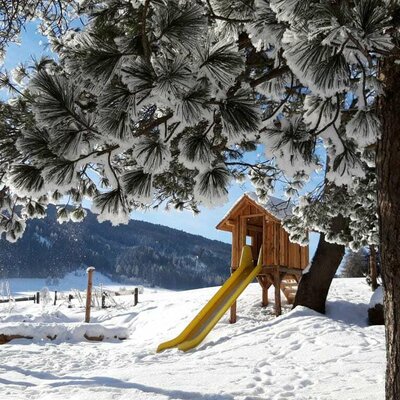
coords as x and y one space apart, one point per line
89 271
264 297
103 300
55 297
136 296
277 285
70 297
234 263
372 267
241 232
233 318
262 280
37 297
9 300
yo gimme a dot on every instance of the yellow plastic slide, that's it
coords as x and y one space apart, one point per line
212 312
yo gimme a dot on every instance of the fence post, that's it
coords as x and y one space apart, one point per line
136 296
70 297
89 271
55 297
37 297
103 300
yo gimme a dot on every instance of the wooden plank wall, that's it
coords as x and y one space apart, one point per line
256 243
234 261
284 247
269 245
294 256
272 243
277 249
304 257
277 242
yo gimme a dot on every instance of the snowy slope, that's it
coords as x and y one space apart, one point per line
301 355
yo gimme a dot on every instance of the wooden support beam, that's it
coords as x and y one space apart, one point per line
235 261
233 316
269 277
264 242
255 228
287 271
265 284
264 299
243 234
252 215
277 285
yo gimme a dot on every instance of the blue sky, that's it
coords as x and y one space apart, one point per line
33 44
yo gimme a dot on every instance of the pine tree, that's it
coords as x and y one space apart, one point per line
356 264
54 16
342 57
150 99
136 121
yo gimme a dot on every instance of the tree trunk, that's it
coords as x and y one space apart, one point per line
388 168
314 285
373 273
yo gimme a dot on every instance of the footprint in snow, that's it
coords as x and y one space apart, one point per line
288 387
304 383
286 395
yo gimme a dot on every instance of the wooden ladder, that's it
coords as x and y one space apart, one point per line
289 287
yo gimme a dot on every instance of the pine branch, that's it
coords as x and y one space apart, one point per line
145 40
274 73
212 15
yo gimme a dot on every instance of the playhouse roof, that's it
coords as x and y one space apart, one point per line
277 208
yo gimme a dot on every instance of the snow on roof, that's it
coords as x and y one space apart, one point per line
279 208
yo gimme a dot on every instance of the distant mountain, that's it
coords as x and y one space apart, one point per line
139 252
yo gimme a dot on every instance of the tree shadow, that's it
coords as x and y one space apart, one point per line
348 312
108 382
120 384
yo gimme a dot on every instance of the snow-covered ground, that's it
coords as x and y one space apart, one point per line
301 355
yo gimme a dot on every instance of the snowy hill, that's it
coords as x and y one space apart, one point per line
301 355
139 251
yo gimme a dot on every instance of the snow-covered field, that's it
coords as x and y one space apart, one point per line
301 355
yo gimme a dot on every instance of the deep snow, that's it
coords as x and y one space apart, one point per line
301 355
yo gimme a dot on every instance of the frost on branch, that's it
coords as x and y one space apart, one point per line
212 186
162 103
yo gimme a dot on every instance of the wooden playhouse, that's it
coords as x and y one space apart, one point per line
259 225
